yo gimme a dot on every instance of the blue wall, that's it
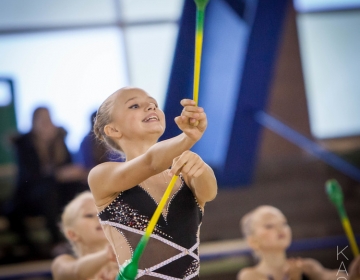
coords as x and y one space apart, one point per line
239 53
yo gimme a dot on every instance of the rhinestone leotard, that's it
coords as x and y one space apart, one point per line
172 250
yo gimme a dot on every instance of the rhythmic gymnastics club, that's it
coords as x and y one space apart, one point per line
129 271
200 15
335 194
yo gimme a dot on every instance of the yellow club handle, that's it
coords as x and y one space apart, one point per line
350 235
160 207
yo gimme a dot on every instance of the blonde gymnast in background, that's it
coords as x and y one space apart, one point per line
93 256
268 234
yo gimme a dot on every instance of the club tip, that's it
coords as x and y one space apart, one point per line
201 4
334 192
128 271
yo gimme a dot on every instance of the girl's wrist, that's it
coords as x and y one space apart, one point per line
188 140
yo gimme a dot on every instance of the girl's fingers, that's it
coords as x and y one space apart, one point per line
197 114
192 171
179 162
198 169
187 167
193 109
192 165
194 122
198 172
193 118
190 106
177 166
191 115
187 102
188 163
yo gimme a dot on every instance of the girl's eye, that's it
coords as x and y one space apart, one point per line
89 215
269 226
134 106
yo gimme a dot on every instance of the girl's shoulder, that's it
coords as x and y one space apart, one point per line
250 273
103 182
106 165
102 171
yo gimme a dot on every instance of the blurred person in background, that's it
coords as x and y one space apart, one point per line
268 234
47 179
92 257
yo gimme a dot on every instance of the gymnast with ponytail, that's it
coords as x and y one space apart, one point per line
127 193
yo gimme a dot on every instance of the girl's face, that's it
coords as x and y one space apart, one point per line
86 225
136 114
270 230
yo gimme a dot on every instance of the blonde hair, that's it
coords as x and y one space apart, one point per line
71 212
247 221
104 117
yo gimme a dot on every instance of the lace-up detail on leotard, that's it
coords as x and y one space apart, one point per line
172 251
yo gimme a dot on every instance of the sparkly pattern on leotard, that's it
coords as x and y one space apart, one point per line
172 251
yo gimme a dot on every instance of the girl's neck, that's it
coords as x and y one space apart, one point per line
135 148
272 263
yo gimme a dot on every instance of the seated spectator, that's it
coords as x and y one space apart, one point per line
47 179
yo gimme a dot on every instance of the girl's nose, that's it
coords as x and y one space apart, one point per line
151 106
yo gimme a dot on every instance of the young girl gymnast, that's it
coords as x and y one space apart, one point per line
268 234
127 193
93 256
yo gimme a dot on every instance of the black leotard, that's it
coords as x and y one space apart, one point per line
172 250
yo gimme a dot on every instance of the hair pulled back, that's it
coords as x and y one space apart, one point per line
247 222
102 118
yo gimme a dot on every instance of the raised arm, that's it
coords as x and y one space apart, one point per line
111 177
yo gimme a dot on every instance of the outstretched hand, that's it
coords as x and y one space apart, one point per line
193 121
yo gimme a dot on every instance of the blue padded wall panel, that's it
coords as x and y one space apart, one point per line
224 49
253 93
181 76
237 64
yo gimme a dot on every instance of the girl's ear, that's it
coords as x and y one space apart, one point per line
252 242
71 235
111 131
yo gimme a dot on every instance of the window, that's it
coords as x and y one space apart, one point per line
70 55
329 45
